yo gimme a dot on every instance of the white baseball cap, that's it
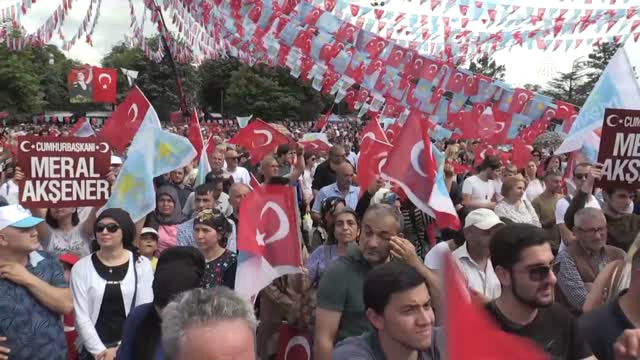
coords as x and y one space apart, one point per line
17 216
483 219
149 230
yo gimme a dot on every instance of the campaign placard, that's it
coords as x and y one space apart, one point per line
620 149
63 171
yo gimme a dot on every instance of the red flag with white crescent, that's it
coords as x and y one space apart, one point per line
124 122
293 344
260 139
104 85
373 156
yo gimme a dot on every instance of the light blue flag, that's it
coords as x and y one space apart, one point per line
203 165
153 152
617 88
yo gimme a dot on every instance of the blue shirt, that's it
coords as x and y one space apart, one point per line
33 332
185 235
332 190
126 350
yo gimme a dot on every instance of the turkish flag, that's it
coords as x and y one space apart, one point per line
124 122
374 131
392 131
253 182
316 145
406 163
470 332
269 239
456 82
104 85
194 133
259 138
293 344
502 125
519 100
322 122
373 155
521 153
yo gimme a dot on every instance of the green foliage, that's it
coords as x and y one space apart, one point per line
34 79
156 80
570 86
267 93
488 67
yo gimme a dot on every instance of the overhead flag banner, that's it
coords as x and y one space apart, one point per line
92 84
243 120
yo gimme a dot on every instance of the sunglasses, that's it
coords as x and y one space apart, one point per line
112 228
538 273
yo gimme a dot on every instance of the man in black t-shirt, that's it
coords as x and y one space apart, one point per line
522 258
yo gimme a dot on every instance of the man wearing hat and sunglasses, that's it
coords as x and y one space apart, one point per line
33 291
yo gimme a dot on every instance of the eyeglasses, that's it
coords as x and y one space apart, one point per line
602 229
112 228
581 176
538 273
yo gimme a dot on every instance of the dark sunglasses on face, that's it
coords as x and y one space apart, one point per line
113 227
539 273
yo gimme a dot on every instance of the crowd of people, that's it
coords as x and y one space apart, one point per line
550 257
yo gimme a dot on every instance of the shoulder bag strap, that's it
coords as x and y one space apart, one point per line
135 287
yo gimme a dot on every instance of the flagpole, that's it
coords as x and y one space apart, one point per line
181 96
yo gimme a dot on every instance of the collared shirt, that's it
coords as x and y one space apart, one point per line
33 331
569 278
351 198
185 235
484 281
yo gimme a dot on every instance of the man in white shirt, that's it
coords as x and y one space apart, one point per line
474 257
478 191
238 173
580 174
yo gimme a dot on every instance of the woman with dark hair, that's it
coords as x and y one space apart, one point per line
108 284
344 232
211 230
166 217
62 232
141 338
553 162
321 234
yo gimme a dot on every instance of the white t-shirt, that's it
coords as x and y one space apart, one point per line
479 189
9 190
534 189
434 258
240 175
75 242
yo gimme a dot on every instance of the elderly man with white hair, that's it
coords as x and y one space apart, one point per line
195 318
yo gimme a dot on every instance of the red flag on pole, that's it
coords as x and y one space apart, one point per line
260 139
124 122
194 133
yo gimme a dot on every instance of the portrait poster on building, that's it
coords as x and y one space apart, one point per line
620 149
63 171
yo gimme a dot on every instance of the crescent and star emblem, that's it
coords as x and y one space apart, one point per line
283 225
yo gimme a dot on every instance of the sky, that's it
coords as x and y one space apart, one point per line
522 65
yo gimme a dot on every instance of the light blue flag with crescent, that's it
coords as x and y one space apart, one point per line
617 88
153 152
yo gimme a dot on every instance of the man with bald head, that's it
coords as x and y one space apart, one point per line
239 174
578 265
237 193
342 187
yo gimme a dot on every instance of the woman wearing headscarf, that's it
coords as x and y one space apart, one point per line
211 230
166 217
142 335
108 284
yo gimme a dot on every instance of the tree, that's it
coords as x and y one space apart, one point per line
488 67
569 86
533 87
215 78
156 80
597 61
272 94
